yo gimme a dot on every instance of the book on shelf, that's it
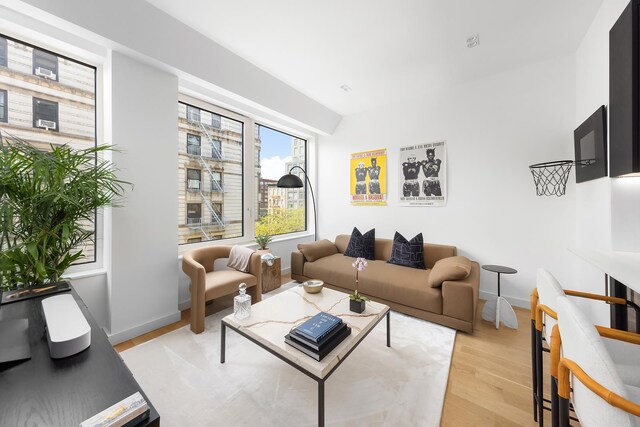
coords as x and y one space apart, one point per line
323 342
318 326
318 355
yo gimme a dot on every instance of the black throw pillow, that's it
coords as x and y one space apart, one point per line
362 246
408 253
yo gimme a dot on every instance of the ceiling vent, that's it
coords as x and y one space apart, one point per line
473 41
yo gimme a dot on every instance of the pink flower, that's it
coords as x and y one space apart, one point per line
360 264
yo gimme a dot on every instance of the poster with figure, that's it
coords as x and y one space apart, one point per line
423 175
368 177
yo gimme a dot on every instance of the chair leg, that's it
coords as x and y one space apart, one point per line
197 315
539 370
534 378
555 422
563 412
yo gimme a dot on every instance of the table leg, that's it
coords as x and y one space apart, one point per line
321 403
388 329
223 333
498 313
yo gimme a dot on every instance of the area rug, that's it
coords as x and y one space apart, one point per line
403 385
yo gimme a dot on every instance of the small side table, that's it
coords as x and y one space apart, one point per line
494 308
271 275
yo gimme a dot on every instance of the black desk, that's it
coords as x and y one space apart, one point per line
62 392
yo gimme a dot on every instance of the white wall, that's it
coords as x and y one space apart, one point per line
606 208
144 241
494 127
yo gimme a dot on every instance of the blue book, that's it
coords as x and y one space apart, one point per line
318 326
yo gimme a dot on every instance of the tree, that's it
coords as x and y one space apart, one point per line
280 222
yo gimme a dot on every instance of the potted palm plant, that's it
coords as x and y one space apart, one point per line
263 241
48 200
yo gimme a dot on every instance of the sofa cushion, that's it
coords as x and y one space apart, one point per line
409 253
362 245
451 268
316 250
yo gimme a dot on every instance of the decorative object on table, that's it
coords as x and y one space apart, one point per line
48 198
590 146
313 286
408 253
68 332
499 308
242 303
362 245
319 335
271 272
293 181
357 301
130 412
268 259
368 182
14 336
431 160
34 291
263 241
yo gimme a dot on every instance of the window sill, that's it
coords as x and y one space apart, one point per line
85 274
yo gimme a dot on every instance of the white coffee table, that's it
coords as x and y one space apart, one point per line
272 318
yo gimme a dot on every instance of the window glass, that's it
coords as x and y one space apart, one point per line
48 111
210 161
3 106
45 64
280 210
3 52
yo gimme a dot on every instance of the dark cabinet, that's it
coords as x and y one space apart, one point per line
624 93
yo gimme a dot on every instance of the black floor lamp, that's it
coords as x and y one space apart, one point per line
292 181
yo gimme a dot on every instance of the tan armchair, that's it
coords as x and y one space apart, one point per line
207 284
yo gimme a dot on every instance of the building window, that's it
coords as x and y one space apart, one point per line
193 114
193 180
280 210
194 213
193 144
216 182
3 106
45 64
218 131
3 52
45 114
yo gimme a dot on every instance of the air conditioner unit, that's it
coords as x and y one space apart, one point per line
47 124
45 73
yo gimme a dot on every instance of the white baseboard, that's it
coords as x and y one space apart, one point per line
136 331
514 301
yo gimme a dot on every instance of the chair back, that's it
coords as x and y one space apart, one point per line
549 290
582 344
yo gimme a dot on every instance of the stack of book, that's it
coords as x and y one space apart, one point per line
319 335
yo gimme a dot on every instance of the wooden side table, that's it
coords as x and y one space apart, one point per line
271 276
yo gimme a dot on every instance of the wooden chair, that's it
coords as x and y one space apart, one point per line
588 375
543 319
207 283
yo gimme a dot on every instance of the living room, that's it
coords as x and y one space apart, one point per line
515 99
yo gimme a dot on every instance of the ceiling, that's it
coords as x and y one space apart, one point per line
385 51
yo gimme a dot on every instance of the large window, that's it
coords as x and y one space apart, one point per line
47 98
280 210
210 153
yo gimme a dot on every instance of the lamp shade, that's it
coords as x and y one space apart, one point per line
290 181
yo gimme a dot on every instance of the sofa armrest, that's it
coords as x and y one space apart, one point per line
297 264
460 297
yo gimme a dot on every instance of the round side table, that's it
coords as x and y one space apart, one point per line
494 308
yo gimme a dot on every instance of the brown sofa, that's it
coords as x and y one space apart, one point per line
402 288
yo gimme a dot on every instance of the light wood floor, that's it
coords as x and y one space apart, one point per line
490 377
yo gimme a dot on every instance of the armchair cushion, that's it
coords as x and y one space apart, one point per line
451 268
225 282
316 250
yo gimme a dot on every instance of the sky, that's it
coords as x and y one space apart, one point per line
274 153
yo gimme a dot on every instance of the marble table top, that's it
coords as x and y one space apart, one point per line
272 318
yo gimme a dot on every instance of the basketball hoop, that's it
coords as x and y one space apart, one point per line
551 177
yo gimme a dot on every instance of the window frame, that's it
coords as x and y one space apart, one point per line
187 212
4 52
199 172
199 138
